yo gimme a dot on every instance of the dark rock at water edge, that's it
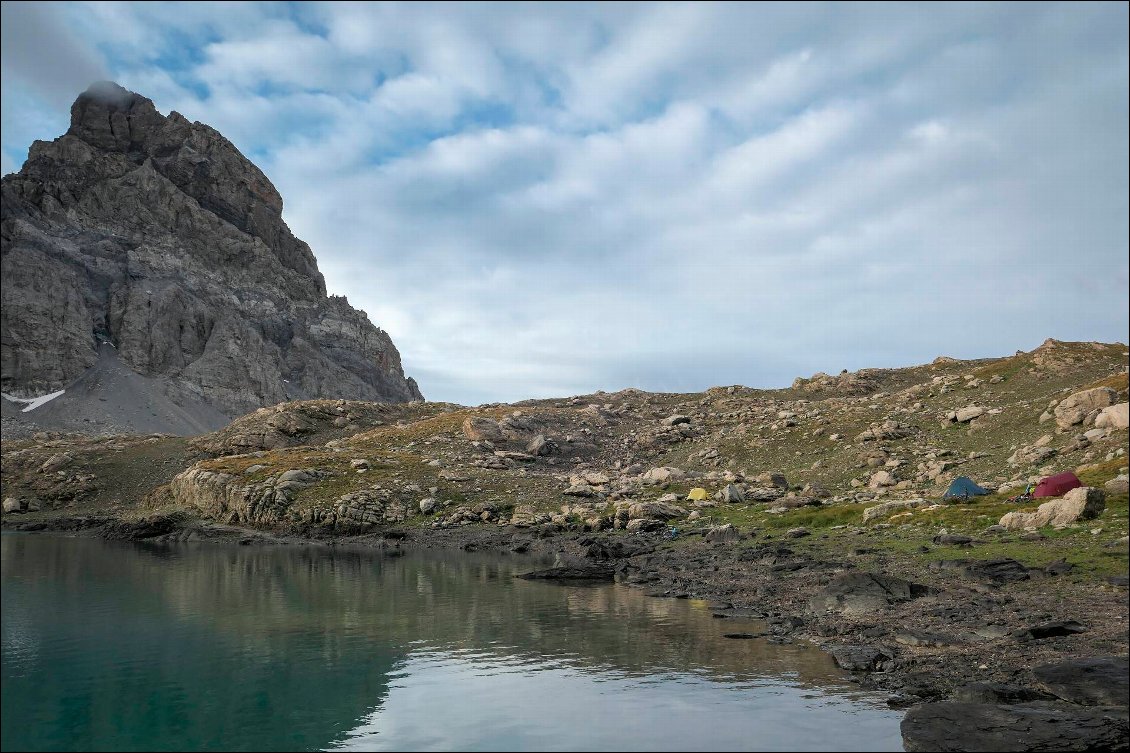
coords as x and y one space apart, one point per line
597 571
1098 681
863 658
997 692
951 726
144 528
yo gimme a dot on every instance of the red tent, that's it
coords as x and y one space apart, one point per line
1057 485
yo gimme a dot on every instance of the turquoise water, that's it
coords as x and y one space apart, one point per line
122 646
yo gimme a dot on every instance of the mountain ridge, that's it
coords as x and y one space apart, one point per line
155 234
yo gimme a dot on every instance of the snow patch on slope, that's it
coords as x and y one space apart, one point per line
32 402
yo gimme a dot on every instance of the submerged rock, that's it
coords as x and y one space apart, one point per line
588 571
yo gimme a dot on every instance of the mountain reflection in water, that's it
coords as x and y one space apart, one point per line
126 646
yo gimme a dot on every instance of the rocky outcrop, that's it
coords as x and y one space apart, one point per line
227 498
1084 406
155 234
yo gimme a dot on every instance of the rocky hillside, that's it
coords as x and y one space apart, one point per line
155 235
821 451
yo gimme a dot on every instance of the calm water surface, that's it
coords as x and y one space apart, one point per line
124 646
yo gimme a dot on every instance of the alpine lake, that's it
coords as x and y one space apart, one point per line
127 646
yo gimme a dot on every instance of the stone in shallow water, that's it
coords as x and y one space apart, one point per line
862 658
594 571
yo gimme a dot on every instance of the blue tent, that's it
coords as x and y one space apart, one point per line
963 486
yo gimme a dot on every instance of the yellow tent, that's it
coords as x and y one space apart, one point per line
698 493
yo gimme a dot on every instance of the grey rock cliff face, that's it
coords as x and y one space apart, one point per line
157 235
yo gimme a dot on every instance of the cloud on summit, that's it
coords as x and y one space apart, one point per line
550 199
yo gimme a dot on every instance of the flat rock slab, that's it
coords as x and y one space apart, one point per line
1059 567
738 614
863 658
860 593
998 692
146 528
610 548
1049 630
996 572
1022 727
923 638
953 539
1101 681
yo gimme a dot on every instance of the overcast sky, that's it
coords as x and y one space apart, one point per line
546 200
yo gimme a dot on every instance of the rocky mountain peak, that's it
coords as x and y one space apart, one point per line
111 117
157 236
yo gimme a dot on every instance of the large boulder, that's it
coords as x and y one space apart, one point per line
773 478
1081 503
663 475
543 446
968 413
881 479
733 493
482 429
655 511
725 532
1114 417
1120 484
1074 409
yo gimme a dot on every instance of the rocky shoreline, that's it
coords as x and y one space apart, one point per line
985 655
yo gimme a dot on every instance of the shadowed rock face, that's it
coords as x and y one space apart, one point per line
155 234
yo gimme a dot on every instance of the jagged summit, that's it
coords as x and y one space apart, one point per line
156 235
